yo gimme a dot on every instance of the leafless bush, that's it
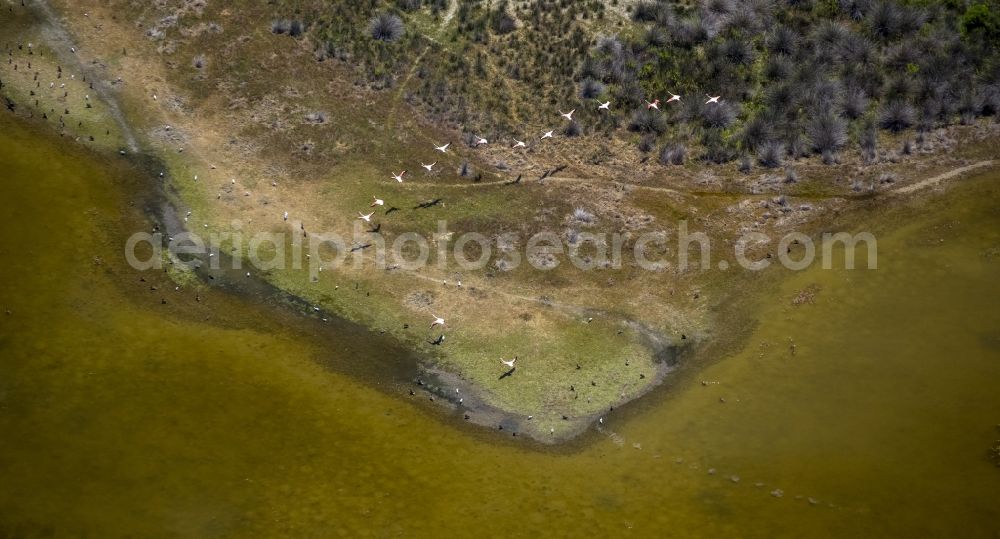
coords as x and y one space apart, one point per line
896 116
582 217
827 133
770 154
385 27
280 26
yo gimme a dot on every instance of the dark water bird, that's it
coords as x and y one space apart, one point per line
437 341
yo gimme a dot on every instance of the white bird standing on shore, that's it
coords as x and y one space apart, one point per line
430 167
285 216
567 115
673 97
366 218
399 177
548 134
509 363
605 106
377 202
442 149
438 321
712 99
519 144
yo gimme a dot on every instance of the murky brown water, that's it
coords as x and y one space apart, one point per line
123 416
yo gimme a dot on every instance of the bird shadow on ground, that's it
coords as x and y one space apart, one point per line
508 373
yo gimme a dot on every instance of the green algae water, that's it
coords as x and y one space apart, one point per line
131 408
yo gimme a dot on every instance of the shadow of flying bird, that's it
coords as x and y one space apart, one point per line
428 204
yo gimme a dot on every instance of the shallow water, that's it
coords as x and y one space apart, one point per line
121 415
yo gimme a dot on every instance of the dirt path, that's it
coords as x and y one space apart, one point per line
941 177
556 180
450 14
566 308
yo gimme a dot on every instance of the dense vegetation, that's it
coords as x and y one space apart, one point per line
802 77
797 77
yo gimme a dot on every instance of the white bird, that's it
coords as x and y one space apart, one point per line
438 321
712 99
442 149
654 105
519 144
430 167
366 218
509 363
377 202
154 97
605 106
567 115
481 140
285 216
548 134
72 49
673 97
399 177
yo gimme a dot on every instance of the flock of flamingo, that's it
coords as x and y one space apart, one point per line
480 141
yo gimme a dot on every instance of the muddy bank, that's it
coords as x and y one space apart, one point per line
400 370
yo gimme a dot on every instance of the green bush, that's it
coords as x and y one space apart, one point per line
981 20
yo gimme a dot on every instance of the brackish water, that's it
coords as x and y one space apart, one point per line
216 416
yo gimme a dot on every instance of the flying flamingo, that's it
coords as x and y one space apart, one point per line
712 99
509 363
481 140
567 115
366 218
438 321
442 149
430 167
548 134
399 177
605 106
673 97
377 202
654 105
519 144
